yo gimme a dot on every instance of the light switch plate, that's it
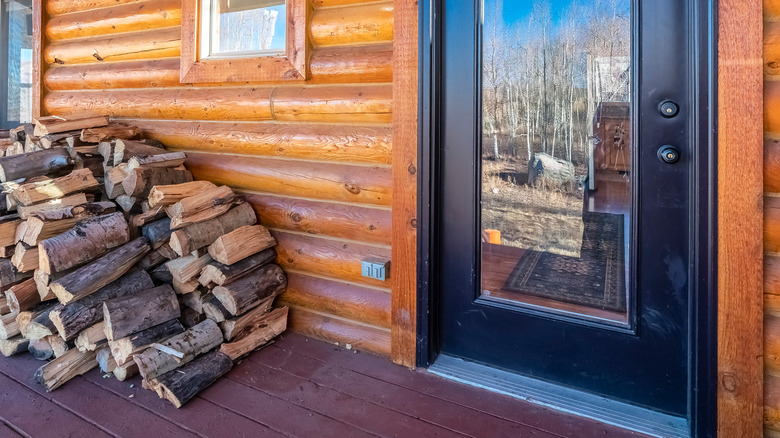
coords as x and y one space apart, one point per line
376 270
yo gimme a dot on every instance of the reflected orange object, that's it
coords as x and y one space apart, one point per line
494 236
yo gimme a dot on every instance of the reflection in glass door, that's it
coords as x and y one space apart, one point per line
556 158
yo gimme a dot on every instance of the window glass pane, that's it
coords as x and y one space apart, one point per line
17 56
556 155
243 27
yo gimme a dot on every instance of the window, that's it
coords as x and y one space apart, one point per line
15 63
243 40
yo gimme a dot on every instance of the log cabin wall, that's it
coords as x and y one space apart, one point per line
314 158
772 217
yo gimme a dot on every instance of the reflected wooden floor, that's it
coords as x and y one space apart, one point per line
612 195
297 387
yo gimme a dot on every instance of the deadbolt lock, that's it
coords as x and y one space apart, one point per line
668 109
669 154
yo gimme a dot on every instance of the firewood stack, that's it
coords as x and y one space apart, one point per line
175 284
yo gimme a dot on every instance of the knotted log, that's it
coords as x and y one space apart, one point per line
191 344
72 318
250 290
88 240
131 314
90 278
202 234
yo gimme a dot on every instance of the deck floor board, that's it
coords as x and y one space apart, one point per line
297 387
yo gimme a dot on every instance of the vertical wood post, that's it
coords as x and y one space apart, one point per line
403 268
39 17
740 218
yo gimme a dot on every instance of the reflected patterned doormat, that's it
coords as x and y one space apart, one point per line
595 279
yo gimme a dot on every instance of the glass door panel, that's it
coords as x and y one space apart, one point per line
556 156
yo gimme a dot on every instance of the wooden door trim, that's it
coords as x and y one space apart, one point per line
740 213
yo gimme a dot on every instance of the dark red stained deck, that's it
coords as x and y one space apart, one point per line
297 387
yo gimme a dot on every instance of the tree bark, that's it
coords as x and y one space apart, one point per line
134 313
199 235
88 240
192 343
90 278
51 162
46 225
72 318
248 291
123 349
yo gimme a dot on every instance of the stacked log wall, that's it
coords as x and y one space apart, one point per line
315 158
772 217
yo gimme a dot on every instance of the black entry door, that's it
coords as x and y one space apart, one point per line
570 193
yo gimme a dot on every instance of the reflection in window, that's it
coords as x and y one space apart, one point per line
16 63
556 154
242 28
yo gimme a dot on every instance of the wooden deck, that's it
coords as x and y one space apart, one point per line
297 387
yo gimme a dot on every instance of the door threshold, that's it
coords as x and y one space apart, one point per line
560 398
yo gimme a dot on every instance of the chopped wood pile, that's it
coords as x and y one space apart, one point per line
111 256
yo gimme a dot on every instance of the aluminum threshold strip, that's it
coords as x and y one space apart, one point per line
560 398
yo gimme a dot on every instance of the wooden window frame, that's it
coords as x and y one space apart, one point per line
291 66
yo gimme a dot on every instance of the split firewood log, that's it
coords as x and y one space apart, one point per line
185 269
124 150
45 208
58 345
12 346
153 259
248 291
241 243
203 206
126 371
124 349
199 235
77 181
264 330
131 314
129 204
236 327
25 257
4 309
191 317
190 344
152 215
51 162
44 225
56 140
9 327
196 299
8 225
22 296
47 125
91 338
214 310
25 317
88 240
221 274
10 276
163 196
158 232
39 327
90 278
181 385
168 159
139 181
113 180
185 287
59 371
70 319
111 132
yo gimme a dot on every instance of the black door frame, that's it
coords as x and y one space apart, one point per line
703 339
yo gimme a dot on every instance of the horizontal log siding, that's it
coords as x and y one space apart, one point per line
313 159
772 217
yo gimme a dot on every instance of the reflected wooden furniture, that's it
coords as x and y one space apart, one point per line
612 132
